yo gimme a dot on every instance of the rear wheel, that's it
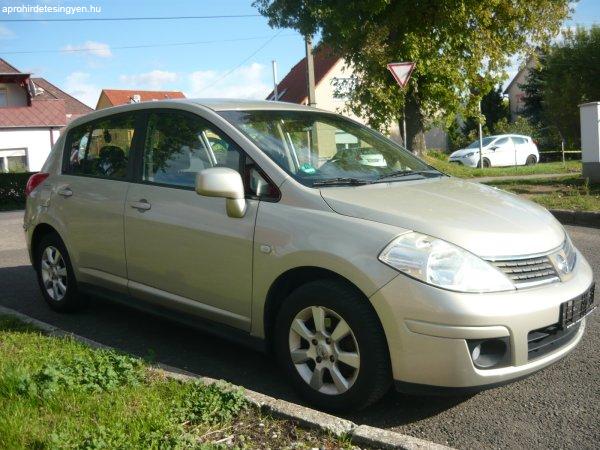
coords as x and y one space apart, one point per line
55 274
332 347
531 160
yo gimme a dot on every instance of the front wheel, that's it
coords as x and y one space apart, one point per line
331 345
486 163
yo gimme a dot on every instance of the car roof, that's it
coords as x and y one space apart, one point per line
214 104
229 104
508 135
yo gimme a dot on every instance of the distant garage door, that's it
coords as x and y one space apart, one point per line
13 160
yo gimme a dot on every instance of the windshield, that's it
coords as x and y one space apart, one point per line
484 142
319 148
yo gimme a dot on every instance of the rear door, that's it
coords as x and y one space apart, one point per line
89 197
523 149
183 250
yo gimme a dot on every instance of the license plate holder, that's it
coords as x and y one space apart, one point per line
574 310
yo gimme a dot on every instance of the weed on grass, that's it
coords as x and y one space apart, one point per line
57 393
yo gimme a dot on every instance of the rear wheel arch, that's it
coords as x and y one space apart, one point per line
41 230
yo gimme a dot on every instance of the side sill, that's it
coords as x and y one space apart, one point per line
226 332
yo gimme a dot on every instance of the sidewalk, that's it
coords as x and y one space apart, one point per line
536 176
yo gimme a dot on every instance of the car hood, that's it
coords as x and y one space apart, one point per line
465 151
484 220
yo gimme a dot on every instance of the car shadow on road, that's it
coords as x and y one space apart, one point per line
189 349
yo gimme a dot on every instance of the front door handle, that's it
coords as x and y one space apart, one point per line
141 205
65 192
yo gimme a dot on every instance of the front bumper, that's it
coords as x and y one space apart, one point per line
470 161
427 329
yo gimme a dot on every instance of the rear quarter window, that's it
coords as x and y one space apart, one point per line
101 148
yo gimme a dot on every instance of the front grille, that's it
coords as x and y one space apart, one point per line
528 271
545 340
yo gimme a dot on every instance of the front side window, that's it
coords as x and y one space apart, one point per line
101 149
484 142
501 142
179 145
320 148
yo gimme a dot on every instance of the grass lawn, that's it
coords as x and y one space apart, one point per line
59 393
571 193
440 162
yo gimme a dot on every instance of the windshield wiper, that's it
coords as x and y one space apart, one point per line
341 182
405 173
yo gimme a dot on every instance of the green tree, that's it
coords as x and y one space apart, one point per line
459 47
571 77
493 108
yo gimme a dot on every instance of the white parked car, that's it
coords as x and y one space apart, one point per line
498 151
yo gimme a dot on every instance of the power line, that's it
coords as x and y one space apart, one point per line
230 71
120 19
127 47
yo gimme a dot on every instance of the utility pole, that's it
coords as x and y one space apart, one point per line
275 94
480 138
310 71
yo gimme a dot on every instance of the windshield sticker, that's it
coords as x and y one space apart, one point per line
307 168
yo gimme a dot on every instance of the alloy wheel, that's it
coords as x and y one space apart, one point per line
324 350
54 273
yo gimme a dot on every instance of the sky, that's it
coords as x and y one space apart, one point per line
225 57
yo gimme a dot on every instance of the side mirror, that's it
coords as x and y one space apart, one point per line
494 148
225 183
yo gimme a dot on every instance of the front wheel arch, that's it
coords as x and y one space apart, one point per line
289 281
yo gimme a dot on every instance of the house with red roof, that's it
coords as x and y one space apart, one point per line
329 71
32 113
115 97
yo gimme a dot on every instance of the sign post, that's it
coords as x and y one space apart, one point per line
401 72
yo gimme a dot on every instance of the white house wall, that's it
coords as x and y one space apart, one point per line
36 141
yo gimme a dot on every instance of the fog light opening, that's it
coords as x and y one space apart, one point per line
489 353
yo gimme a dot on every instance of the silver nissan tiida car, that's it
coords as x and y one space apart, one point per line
355 263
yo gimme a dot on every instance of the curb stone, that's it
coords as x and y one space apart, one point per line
306 417
581 218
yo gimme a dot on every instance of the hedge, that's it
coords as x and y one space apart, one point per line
12 189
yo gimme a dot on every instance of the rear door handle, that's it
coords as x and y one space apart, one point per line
65 192
142 205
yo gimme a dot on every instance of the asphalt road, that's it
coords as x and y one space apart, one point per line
558 407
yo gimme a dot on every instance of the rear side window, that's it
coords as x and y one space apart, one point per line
179 145
102 148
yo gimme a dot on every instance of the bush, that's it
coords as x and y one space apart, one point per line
12 189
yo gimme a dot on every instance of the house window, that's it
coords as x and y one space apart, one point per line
3 97
13 160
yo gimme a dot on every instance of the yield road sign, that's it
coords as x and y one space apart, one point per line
401 71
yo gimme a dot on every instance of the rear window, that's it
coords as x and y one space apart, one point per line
101 149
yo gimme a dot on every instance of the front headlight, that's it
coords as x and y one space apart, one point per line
442 264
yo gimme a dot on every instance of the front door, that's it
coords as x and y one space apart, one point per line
183 250
89 198
503 153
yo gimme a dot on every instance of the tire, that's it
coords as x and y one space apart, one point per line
486 163
364 346
531 160
55 275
